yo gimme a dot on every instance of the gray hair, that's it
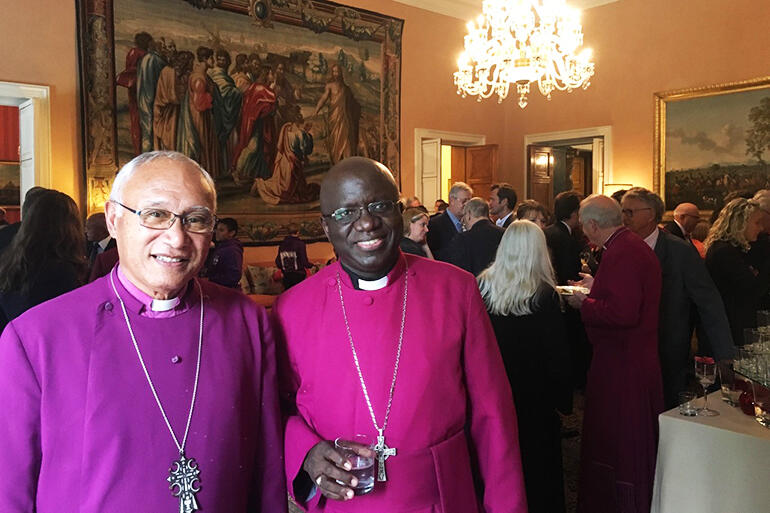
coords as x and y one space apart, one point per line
605 214
476 207
128 170
459 186
651 199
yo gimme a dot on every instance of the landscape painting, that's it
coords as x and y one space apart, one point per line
266 95
713 141
10 184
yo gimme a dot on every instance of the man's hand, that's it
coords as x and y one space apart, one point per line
328 468
576 300
587 281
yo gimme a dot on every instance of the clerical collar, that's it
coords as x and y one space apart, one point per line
612 237
155 308
361 284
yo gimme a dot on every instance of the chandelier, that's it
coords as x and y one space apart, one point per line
520 42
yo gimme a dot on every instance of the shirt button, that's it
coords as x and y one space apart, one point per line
176 359
108 306
331 282
368 300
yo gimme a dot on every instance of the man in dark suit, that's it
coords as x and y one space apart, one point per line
562 239
475 248
686 216
686 285
444 227
502 201
98 239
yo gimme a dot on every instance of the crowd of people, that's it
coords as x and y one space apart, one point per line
447 341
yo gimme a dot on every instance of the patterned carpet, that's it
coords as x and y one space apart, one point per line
570 444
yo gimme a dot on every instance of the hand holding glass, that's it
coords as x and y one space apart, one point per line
362 467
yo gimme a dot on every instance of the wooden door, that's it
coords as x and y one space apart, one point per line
577 175
540 174
480 168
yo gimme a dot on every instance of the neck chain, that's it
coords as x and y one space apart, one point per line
184 472
382 451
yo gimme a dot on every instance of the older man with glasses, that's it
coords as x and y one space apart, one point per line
146 390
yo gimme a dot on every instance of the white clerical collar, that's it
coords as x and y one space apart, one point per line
164 305
373 285
652 238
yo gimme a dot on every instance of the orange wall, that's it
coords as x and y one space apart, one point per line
640 47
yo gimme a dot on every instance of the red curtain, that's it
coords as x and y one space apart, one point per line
9 133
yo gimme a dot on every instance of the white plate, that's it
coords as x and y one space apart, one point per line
569 290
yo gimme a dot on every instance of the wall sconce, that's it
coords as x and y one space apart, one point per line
608 189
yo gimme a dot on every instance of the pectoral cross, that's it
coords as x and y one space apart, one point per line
183 475
383 452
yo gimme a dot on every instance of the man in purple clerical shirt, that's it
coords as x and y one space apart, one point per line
146 390
399 349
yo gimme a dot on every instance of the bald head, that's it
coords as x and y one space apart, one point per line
687 215
355 172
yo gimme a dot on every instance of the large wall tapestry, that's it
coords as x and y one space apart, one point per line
711 141
265 94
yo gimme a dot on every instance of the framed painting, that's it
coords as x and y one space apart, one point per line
266 95
10 184
711 141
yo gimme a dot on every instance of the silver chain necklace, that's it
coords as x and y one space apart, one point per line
381 450
184 472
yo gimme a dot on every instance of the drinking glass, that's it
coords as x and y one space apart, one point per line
730 393
687 404
360 466
706 372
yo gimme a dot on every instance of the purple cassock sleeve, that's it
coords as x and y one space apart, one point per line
20 452
492 415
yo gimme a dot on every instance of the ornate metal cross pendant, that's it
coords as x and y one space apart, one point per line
183 475
383 452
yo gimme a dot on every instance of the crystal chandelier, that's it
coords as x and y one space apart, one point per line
522 41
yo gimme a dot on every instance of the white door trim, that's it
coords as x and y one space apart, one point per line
15 94
457 138
579 133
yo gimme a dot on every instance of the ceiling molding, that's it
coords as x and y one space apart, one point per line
469 9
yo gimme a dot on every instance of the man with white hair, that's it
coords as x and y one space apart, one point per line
444 227
624 393
146 390
686 216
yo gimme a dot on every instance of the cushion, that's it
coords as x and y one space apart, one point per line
262 281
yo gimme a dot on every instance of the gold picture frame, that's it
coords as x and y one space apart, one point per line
701 139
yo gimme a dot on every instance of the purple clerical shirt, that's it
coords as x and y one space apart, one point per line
452 419
80 430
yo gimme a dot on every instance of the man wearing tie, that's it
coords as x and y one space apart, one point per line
443 228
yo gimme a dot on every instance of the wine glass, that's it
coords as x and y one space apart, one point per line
706 372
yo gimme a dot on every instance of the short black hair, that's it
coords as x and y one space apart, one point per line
565 204
507 192
203 53
232 224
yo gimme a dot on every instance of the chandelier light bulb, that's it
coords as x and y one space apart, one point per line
520 42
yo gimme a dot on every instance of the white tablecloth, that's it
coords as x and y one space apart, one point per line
712 464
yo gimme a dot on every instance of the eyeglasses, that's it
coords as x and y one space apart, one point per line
200 220
347 215
631 211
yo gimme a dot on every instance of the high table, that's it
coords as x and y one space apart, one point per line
712 464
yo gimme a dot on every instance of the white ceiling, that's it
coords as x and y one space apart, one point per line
468 9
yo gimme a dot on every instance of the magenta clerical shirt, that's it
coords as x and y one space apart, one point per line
452 420
80 430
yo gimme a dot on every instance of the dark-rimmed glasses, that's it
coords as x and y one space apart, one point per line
347 215
200 220
631 211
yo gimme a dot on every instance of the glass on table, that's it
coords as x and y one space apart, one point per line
727 381
361 466
687 404
706 372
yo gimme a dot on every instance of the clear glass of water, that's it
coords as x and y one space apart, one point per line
730 393
361 466
706 372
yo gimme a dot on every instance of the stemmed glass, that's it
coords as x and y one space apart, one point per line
706 372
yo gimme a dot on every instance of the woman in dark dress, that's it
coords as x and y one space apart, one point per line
415 230
741 284
518 289
45 259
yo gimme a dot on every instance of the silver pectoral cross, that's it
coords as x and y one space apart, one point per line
383 452
183 475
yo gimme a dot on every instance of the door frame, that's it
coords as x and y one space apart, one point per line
605 175
454 138
16 94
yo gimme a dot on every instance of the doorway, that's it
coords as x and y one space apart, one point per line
443 158
574 160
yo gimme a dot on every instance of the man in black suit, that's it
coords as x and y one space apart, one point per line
444 227
98 239
686 285
475 248
502 201
562 239
686 216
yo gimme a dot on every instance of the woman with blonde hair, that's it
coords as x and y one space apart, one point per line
415 231
741 284
518 289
